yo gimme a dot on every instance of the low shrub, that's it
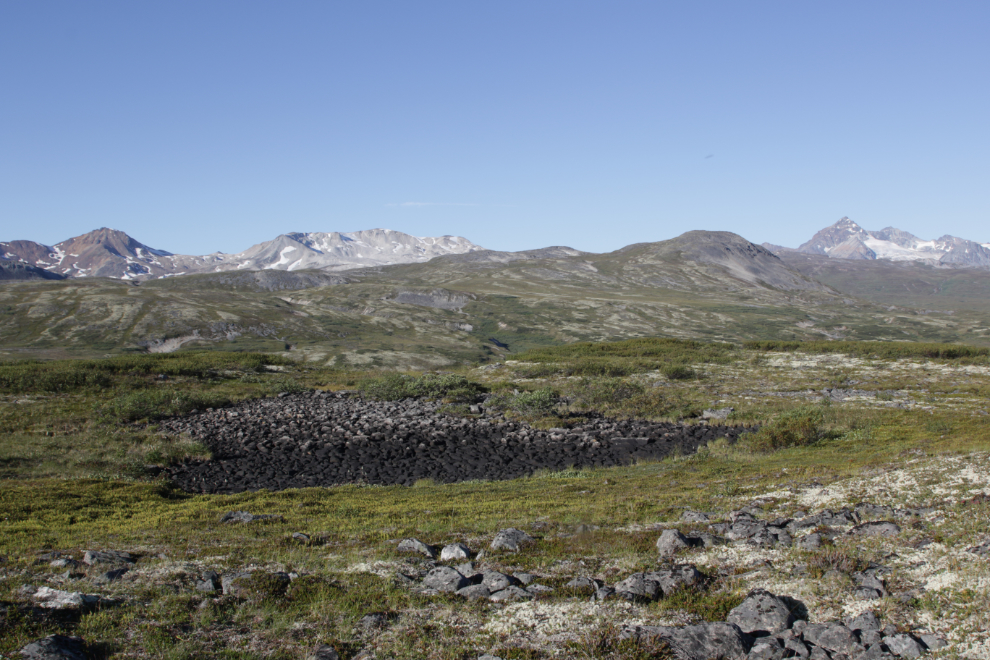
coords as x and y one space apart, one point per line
531 403
452 388
677 371
874 349
794 428
154 404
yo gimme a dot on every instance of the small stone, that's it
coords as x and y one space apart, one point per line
699 642
694 517
246 517
766 648
831 637
671 542
444 578
638 588
474 592
797 647
583 584
56 599
878 528
904 646
496 581
64 562
524 578
455 551
323 652
865 621
933 642
811 541
818 653
416 546
94 557
302 538
536 589
510 594
761 612
511 539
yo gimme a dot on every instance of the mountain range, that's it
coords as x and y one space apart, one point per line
847 240
112 253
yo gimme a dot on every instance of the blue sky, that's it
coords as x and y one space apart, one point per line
208 125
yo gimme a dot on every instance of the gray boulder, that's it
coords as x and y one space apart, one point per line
833 637
700 642
811 541
445 578
417 547
511 539
904 646
671 542
64 562
761 612
496 581
584 584
323 652
883 528
55 647
246 517
94 557
671 579
509 594
933 642
766 648
638 588
474 592
56 599
865 621
524 579
455 551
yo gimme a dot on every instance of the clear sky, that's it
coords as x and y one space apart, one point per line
214 125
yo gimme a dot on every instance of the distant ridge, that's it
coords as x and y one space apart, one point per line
847 240
112 253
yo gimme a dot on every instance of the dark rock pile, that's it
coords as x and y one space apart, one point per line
770 627
325 439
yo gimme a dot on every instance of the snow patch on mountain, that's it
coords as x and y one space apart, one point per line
847 240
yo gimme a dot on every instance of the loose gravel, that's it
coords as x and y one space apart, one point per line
325 439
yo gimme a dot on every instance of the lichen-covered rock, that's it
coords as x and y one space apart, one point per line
418 547
700 642
455 551
761 612
833 637
904 646
511 539
883 528
638 588
671 542
445 578
510 594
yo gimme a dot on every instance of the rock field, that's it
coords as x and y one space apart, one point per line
763 626
323 439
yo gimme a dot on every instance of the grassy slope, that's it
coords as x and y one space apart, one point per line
81 431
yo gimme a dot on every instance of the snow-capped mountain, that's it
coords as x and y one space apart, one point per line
112 253
847 240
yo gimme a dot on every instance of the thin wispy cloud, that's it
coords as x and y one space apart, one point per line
432 204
